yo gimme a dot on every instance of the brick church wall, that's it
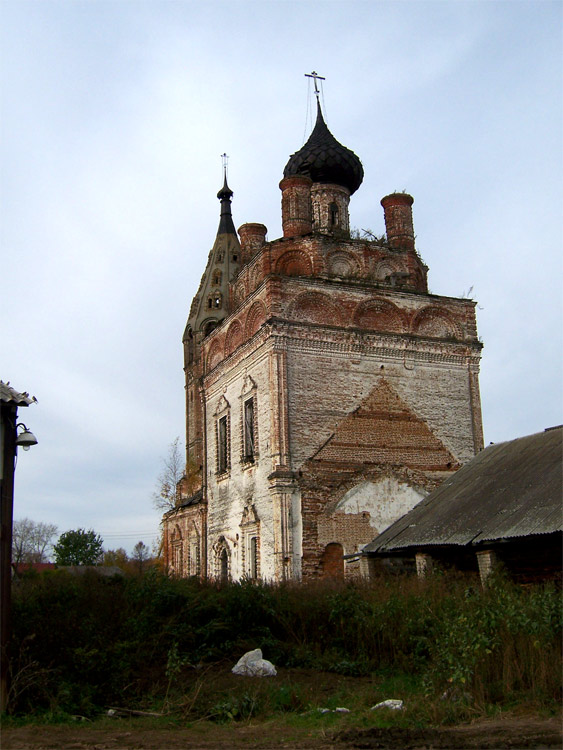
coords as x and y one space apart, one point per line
365 386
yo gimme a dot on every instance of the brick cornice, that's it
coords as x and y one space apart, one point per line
306 338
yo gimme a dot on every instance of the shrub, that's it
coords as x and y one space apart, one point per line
82 643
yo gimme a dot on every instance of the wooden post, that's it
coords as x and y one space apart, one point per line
8 419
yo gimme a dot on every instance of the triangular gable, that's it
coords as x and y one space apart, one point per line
385 430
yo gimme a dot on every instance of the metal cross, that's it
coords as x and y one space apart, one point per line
314 75
224 161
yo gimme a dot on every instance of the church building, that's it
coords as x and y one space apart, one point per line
327 391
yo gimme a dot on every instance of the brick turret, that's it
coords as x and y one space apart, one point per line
252 238
296 205
398 220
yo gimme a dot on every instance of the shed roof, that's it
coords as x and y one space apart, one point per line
508 490
10 395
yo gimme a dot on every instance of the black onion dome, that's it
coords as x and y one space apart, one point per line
226 225
225 193
325 160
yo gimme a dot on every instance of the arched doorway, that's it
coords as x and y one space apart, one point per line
332 561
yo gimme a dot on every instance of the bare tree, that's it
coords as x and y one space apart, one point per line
31 541
140 556
167 494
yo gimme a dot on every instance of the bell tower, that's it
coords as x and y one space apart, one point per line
209 308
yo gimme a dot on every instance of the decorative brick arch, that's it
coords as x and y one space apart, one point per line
255 276
315 307
256 316
342 263
234 337
239 293
383 270
380 315
215 355
431 321
294 263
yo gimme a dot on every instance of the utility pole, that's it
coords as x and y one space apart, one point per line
9 441
8 421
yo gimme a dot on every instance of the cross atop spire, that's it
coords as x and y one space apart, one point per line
226 225
314 75
225 162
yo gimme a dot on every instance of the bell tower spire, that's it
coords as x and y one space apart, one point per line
226 225
211 303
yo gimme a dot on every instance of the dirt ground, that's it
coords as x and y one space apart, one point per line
480 735
186 730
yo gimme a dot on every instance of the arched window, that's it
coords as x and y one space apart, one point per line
223 437
224 566
211 326
222 446
249 422
333 214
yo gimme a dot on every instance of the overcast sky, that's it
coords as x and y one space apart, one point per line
114 117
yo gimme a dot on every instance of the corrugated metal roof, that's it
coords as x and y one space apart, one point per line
9 394
509 490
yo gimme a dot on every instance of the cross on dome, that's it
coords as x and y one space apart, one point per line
315 76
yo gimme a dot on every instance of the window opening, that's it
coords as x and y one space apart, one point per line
194 567
249 430
224 566
253 554
211 326
333 208
190 342
178 558
222 446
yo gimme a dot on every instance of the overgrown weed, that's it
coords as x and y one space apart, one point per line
149 641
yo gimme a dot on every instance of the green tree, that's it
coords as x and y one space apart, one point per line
118 558
78 547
